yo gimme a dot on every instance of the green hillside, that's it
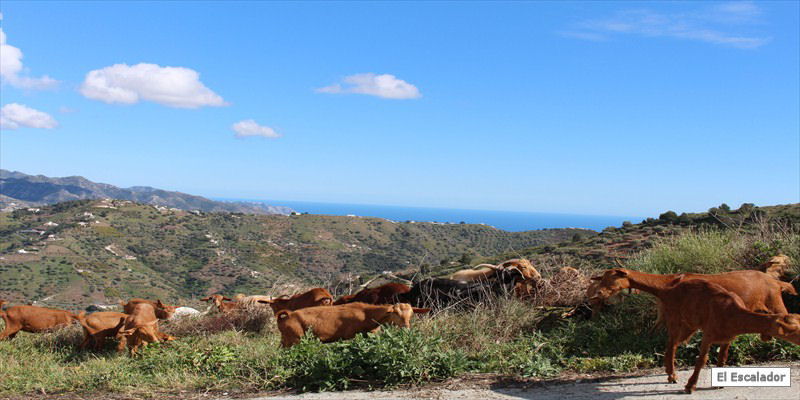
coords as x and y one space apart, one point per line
76 253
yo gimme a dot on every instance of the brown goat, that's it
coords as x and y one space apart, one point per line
384 294
758 291
721 314
776 266
524 266
331 323
162 310
344 299
224 304
33 319
311 298
97 326
596 302
140 326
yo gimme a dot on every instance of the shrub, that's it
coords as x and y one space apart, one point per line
704 252
389 358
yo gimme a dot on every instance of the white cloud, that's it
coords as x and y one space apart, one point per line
713 25
170 86
249 127
386 86
13 72
14 115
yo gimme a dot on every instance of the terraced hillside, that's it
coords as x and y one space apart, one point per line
76 253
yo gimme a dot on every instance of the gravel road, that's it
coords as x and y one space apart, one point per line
652 385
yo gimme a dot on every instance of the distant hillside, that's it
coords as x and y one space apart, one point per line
28 190
618 243
80 252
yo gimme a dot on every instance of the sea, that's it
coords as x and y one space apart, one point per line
512 221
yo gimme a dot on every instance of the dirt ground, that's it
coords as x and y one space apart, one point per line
651 385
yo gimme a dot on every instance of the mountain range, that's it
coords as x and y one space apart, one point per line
19 190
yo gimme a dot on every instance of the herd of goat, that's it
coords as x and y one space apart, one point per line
722 305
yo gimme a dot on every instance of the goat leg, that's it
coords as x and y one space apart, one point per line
669 360
701 362
722 357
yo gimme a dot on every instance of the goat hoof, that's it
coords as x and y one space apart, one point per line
688 389
671 379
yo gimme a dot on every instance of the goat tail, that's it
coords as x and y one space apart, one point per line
787 287
282 315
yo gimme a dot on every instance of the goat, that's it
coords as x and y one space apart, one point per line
384 294
331 323
758 291
223 303
311 298
596 302
476 273
776 266
721 314
344 299
99 325
182 312
250 301
140 326
524 266
162 310
34 319
441 292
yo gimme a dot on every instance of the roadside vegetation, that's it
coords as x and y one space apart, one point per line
507 337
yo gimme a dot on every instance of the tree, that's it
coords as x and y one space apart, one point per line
669 216
746 208
724 208
627 224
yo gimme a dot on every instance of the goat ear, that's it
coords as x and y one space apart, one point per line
265 301
620 272
160 304
597 278
420 310
206 298
226 298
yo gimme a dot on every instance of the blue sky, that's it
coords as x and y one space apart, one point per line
590 108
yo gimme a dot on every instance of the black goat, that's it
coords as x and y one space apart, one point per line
442 293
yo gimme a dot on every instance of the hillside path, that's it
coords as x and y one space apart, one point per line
650 386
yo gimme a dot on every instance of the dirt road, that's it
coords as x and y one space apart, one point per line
648 386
